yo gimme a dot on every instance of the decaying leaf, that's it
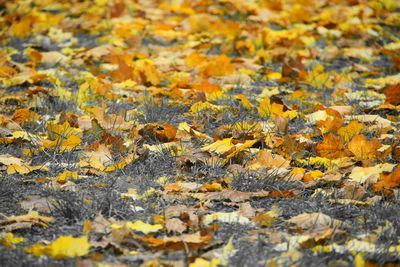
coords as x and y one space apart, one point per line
25 221
314 220
266 160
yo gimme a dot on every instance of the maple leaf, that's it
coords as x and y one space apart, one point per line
266 219
265 159
363 148
370 174
333 121
388 181
331 147
392 94
348 131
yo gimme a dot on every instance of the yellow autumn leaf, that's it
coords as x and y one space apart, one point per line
244 101
9 240
220 146
200 262
372 174
65 175
347 132
379 83
62 248
57 131
24 169
62 144
265 108
274 76
359 260
184 126
146 69
139 226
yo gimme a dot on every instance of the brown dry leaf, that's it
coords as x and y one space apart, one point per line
162 132
392 94
265 159
185 214
313 220
36 202
175 225
246 210
192 241
100 224
97 159
53 57
363 148
353 190
232 195
23 115
25 221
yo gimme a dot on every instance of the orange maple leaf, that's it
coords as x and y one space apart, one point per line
363 148
388 181
332 147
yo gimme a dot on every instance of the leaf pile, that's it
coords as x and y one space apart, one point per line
200 133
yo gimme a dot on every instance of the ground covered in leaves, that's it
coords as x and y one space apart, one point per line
199 133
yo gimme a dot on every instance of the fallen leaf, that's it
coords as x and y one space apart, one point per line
331 147
220 146
175 225
363 148
26 221
388 181
62 248
347 132
370 174
39 203
226 217
313 220
9 240
139 226
265 159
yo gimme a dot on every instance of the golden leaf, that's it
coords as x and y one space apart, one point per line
62 248
363 148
